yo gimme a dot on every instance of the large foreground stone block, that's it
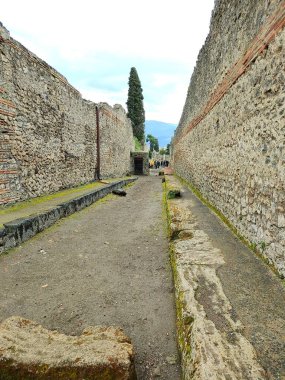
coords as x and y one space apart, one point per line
30 352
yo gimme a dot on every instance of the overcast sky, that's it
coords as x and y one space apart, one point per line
94 43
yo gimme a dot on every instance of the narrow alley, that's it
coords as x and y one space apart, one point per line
105 265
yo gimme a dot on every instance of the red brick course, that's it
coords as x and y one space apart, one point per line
266 34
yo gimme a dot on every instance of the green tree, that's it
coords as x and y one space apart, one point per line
162 151
167 149
135 105
153 143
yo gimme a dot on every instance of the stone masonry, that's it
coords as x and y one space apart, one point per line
116 141
48 132
230 141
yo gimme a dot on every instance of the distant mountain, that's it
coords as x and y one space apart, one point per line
162 131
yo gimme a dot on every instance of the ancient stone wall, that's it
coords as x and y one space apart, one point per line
116 136
230 142
48 133
142 156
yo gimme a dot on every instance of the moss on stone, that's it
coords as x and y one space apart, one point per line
60 194
184 321
251 245
45 198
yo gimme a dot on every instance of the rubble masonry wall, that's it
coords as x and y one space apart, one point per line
48 131
230 143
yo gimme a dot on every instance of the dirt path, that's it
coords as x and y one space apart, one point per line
107 264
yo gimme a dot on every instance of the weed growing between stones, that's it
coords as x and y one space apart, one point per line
165 211
184 322
171 191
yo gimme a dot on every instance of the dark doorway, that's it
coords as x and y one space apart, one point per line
138 165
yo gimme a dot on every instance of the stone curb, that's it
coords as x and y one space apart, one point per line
210 339
20 230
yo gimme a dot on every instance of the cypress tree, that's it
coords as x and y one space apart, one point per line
135 105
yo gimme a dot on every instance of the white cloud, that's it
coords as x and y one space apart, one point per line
161 38
171 108
110 97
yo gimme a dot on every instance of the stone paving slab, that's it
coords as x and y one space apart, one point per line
36 218
230 306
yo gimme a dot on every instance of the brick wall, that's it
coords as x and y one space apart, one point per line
48 133
230 142
116 138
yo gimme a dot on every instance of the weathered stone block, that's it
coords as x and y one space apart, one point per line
29 351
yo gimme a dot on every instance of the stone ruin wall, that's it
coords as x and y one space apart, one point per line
114 128
230 142
48 132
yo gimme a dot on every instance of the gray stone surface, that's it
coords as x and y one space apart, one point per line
235 155
29 351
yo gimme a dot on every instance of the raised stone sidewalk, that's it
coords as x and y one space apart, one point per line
230 305
26 219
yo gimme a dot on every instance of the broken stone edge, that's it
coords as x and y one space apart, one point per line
20 230
206 352
29 351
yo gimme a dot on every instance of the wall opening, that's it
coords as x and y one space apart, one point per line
138 164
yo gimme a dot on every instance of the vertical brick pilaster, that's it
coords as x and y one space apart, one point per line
8 167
